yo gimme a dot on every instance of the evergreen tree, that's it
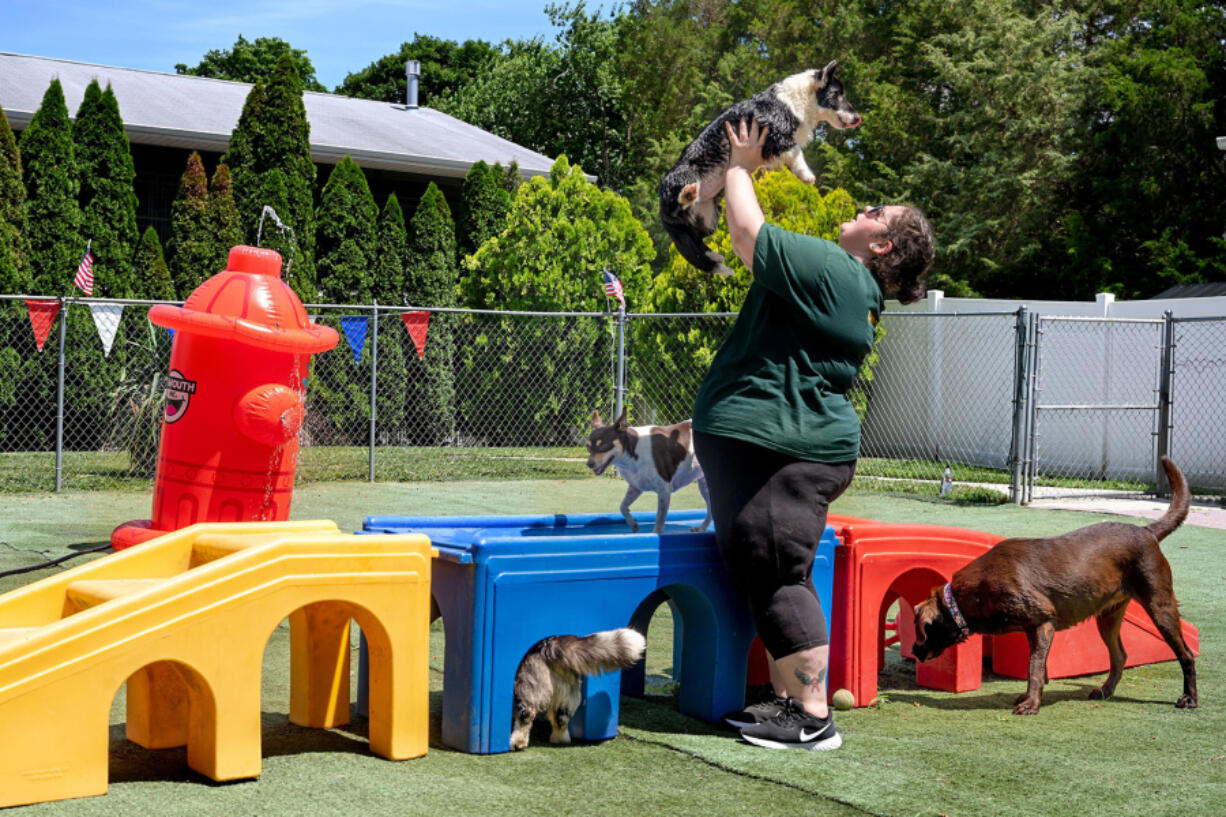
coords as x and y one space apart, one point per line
484 204
53 218
391 253
152 271
225 229
107 195
346 223
395 346
190 246
430 280
272 138
12 212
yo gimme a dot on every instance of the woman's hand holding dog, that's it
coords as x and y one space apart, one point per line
745 144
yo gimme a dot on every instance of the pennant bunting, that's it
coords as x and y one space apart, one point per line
417 323
42 318
355 332
106 320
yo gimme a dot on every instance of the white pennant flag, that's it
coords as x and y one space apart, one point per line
106 319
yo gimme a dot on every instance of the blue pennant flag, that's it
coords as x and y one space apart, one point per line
355 333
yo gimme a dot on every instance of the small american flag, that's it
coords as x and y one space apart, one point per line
613 287
84 279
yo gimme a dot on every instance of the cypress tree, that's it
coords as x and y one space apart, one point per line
225 229
152 270
430 280
391 253
394 343
273 137
190 246
12 212
107 195
346 236
52 238
484 204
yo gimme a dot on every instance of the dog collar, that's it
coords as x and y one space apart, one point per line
948 592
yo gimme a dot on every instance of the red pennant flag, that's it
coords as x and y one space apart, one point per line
42 318
417 323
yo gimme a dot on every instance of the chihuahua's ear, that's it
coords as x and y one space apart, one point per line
596 420
621 421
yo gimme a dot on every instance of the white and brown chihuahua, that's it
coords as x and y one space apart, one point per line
649 458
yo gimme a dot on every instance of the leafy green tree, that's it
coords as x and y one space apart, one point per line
190 245
254 62
1145 212
536 381
567 98
221 216
152 271
53 216
107 194
346 237
445 67
484 204
12 212
270 159
430 280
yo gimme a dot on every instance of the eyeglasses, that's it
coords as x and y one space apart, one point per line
877 212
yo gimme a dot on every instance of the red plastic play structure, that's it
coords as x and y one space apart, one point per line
238 368
879 563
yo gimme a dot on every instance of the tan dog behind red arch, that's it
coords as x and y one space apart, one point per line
1039 586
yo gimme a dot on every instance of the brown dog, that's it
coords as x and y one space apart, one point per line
1038 586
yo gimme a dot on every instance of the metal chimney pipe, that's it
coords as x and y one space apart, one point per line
412 70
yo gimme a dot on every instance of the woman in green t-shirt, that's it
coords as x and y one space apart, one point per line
773 428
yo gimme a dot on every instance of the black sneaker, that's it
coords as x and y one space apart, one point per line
756 713
794 728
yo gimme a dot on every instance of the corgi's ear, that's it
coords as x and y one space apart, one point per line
596 420
621 421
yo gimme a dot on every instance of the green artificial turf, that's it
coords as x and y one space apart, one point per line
918 752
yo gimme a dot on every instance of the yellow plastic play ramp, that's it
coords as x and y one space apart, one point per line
184 619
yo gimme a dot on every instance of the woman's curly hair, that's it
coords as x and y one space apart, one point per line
903 268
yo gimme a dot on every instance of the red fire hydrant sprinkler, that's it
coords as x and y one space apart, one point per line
234 399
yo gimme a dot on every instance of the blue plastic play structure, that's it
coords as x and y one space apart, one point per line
502 583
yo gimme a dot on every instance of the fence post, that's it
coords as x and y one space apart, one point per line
1035 353
620 388
1165 376
374 382
59 399
1019 407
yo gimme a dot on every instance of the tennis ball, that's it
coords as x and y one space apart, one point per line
843 699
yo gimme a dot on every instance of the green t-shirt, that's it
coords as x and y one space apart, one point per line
781 378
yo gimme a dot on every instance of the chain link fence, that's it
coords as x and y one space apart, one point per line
1006 401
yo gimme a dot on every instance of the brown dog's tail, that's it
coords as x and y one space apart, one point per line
1178 511
599 652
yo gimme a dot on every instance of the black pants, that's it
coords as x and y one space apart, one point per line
770 512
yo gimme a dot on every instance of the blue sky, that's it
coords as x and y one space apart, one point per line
338 35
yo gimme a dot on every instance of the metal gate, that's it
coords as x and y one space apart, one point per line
1099 405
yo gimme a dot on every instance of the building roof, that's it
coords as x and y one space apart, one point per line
1209 290
199 113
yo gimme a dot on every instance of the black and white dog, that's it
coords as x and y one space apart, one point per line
792 108
549 679
649 458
